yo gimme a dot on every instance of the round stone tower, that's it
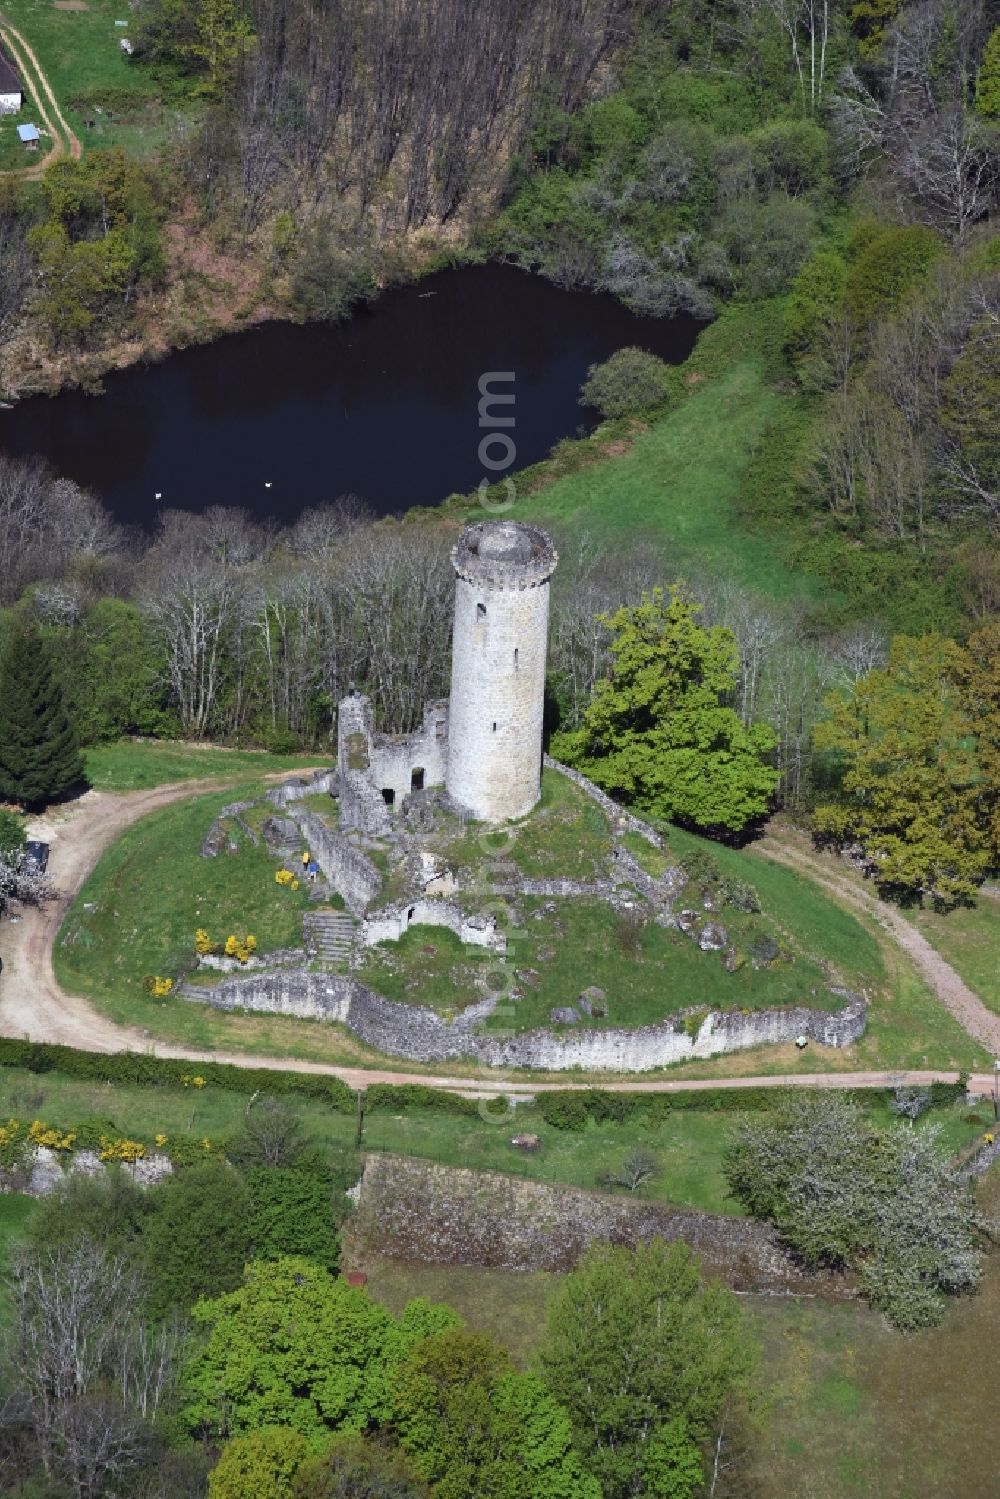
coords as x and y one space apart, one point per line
502 572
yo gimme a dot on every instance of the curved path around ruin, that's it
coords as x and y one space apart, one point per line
33 1006
40 90
796 852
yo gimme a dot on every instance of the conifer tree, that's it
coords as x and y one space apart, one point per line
39 754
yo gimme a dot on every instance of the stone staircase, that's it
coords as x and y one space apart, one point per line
330 936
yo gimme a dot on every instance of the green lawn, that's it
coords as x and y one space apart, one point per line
846 1407
677 485
646 972
566 836
144 1113
15 1210
688 1145
139 910
91 76
139 765
14 156
969 938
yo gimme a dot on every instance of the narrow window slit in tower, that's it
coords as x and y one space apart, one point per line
515 658
494 728
480 611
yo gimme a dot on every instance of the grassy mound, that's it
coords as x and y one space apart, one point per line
139 765
138 912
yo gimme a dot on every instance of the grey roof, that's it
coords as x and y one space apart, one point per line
9 81
27 132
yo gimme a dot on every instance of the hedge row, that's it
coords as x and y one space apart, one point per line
572 1109
141 1070
398 1098
562 1109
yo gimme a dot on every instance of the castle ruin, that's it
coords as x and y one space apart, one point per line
484 745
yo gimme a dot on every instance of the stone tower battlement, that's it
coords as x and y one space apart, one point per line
504 554
502 572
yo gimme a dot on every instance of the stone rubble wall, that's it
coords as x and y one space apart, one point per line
281 957
419 1034
444 1215
290 792
389 923
44 1170
348 868
216 839
565 889
282 796
618 814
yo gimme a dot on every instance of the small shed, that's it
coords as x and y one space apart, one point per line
11 92
28 136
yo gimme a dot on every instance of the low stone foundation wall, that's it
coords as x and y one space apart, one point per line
293 791
348 868
420 1035
390 923
44 1170
624 819
443 1215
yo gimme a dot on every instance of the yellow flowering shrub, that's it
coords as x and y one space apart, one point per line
52 1139
11 1142
294 885
158 987
159 1141
240 948
122 1149
203 943
283 877
195 1080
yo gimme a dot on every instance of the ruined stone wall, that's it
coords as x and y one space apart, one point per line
390 922
420 1035
347 867
620 817
43 1171
445 1215
499 652
293 791
395 758
361 805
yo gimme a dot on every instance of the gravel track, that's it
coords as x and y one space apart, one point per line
33 1005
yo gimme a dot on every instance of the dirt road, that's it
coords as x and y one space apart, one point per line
44 100
34 1007
795 851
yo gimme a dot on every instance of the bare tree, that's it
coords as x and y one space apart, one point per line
637 1170
915 116
91 1377
806 25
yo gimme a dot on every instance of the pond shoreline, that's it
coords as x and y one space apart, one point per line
385 406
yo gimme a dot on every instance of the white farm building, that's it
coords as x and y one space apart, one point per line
11 92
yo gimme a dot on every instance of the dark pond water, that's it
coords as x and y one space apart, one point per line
384 407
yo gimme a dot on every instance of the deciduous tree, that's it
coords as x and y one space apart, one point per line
841 1191
473 1425
643 1356
910 780
659 731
